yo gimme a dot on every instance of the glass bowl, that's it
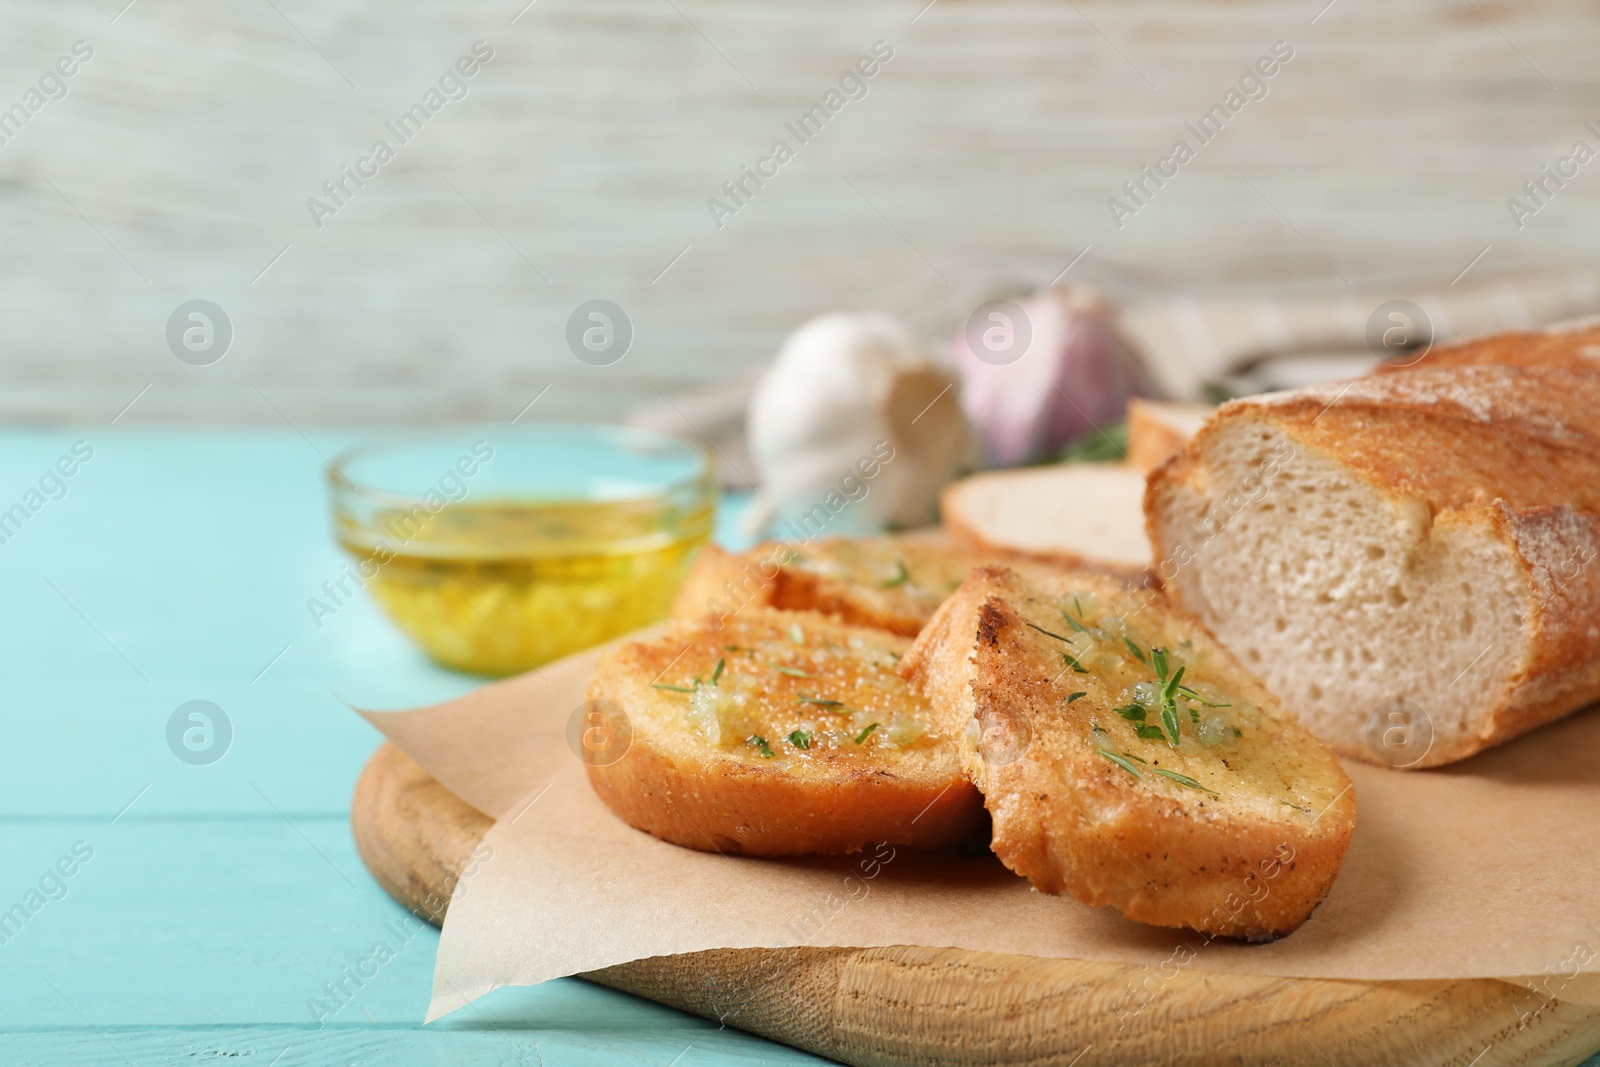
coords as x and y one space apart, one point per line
502 548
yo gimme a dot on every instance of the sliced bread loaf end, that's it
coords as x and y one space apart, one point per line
1408 561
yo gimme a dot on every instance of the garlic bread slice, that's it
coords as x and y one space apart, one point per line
891 582
779 734
1128 760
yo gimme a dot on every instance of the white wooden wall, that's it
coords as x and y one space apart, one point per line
180 162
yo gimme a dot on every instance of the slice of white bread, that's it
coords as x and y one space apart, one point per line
1158 428
777 734
1408 560
1077 514
1192 802
893 582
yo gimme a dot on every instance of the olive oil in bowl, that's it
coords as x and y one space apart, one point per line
579 535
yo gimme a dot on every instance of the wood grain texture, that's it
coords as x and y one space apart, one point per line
579 166
908 1005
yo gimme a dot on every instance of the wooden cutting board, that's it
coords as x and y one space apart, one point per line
888 1007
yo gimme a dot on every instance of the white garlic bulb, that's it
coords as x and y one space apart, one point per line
854 428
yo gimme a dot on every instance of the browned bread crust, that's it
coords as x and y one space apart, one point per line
1575 349
891 582
694 774
720 582
1248 857
1507 454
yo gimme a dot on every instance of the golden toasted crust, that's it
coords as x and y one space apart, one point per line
1514 451
1457 438
717 579
891 582
1250 863
695 777
1573 350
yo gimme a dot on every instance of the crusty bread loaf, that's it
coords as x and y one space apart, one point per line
1158 428
1574 347
1408 560
1128 760
1076 514
777 734
893 582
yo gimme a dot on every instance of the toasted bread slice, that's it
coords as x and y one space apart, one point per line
1158 428
893 582
778 734
1076 514
1194 802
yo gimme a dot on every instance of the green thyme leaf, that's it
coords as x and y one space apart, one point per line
1136 759
1158 662
1131 712
1149 733
1074 664
1237 732
1048 633
900 576
793 672
800 739
1077 627
864 734
716 673
1198 699
1183 780
1120 761
1169 723
1194 716
1076 696
1170 691
673 688
1135 650
734 648
821 702
760 743
1296 807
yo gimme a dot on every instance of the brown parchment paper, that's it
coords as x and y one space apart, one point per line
1486 869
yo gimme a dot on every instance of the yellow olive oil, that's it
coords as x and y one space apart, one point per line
499 587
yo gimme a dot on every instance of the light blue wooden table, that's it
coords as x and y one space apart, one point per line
219 899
